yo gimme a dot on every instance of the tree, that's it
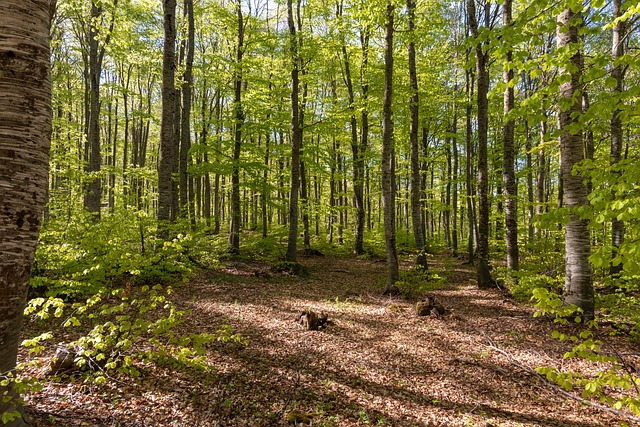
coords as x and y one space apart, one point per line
617 73
25 131
508 156
167 140
578 287
388 155
236 216
416 180
296 136
93 196
482 72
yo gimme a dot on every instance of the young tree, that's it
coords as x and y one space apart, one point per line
25 131
578 283
388 155
166 159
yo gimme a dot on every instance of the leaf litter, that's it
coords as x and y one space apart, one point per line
376 363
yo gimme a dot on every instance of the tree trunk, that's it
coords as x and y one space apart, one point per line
167 139
508 159
94 189
469 184
296 137
236 216
416 180
454 193
482 59
388 169
185 127
578 282
25 132
617 72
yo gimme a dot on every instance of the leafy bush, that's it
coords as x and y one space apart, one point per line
415 282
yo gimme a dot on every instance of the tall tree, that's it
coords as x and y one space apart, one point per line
296 136
166 158
93 196
617 72
482 72
388 155
25 132
578 288
509 151
185 128
238 114
416 179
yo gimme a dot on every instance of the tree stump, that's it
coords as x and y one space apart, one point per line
311 321
429 307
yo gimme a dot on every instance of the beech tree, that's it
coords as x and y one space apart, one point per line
25 131
578 282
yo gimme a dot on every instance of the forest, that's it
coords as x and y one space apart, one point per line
319 212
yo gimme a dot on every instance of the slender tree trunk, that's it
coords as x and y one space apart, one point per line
24 158
617 72
93 195
185 127
167 139
469 184
508 157
296 136
416 180
236 215
482 57
578 283
454 194
388 168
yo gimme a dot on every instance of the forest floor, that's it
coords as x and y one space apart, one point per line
377 363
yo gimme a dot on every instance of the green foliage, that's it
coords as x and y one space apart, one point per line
523 283
415 282
80 258
612 375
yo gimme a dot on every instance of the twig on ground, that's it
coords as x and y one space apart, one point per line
557 388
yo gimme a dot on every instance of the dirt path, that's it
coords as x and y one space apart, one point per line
374 365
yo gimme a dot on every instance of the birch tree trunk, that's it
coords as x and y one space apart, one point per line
25 132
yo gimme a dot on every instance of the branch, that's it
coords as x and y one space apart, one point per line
559 389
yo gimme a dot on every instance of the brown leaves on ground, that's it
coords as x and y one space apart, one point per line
371 366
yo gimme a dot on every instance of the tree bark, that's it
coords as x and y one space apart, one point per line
482 59
578 283
93 194
617 72
185 127
25 132
296 137
166 160
416 180
388 169
508 158
236 216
